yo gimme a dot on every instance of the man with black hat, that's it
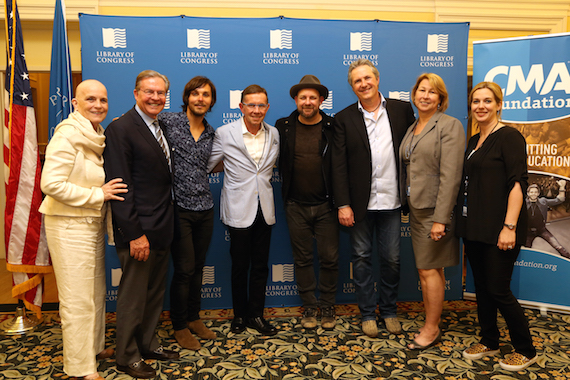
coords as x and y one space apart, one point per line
305 166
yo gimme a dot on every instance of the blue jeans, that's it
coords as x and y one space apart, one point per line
386 224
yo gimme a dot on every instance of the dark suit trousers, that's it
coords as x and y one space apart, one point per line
249 249
139 304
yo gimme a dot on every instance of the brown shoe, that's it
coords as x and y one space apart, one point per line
105 354
198 328
186 340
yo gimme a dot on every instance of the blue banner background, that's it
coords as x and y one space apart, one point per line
540 276
242 52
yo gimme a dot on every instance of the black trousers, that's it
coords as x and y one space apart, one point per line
188 257
249 249
492 271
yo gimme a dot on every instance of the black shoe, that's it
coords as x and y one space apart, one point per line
161 354
261 325
138 369
238 325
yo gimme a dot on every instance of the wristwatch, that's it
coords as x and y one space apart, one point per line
510 226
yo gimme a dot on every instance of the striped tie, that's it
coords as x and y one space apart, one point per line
161 141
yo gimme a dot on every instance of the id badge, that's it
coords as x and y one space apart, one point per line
464 212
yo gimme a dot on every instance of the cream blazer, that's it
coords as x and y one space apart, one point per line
436 164
73 172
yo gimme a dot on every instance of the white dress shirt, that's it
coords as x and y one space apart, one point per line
384 181
255 144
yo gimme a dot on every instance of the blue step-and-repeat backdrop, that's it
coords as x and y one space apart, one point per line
274 53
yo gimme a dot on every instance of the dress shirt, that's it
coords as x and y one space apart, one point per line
384 181
255 144
149 123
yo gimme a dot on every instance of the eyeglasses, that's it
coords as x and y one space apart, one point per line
261 106
151 93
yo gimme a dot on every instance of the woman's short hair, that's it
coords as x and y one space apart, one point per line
438 84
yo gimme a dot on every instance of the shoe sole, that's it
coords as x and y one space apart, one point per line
479 355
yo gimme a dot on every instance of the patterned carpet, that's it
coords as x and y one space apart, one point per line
344 353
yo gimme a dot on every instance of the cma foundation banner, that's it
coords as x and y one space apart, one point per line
274 53
534 75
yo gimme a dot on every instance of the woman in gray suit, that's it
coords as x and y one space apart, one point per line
431 163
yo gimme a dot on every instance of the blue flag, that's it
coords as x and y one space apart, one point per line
60 85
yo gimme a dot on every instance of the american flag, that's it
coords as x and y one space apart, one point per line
26 248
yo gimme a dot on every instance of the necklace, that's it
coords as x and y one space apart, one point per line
481 141
374 110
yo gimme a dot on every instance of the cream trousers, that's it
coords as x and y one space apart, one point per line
77 248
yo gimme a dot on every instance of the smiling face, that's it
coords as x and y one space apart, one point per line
365 84
484 107
91 101
254 107
151 96
200 100
426 98
308 101
533 194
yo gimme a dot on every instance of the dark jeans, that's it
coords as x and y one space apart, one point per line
492 271
386 226
318 222
188 256
533 233
249 249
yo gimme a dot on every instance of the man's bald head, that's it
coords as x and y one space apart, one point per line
91 101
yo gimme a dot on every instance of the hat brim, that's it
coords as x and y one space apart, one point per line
323 91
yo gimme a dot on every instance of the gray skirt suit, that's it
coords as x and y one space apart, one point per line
431 167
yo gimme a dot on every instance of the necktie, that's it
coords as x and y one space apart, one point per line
161 141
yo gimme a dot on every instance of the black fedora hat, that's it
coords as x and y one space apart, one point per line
309 81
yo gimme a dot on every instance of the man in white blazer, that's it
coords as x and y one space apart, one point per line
248 148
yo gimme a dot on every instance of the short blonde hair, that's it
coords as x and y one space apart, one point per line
438 84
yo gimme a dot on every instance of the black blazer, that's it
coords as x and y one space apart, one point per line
287 131
352 160
133 154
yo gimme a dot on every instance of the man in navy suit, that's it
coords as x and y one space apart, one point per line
143 224
365 184
249 148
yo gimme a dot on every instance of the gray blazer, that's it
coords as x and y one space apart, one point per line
436 164
246 184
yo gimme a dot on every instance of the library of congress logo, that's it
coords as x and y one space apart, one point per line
114 38
361 41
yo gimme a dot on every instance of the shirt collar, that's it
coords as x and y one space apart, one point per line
147 119
244 128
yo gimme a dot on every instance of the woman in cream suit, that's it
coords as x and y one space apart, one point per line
73 182
431 156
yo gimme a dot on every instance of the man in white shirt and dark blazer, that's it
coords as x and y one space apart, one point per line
248 148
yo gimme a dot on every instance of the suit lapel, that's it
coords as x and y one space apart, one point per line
237 134
147 135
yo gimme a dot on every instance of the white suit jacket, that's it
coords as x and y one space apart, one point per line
246 184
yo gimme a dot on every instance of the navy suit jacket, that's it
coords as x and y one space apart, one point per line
352 160
133 154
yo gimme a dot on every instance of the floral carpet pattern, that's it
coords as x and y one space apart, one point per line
296 353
